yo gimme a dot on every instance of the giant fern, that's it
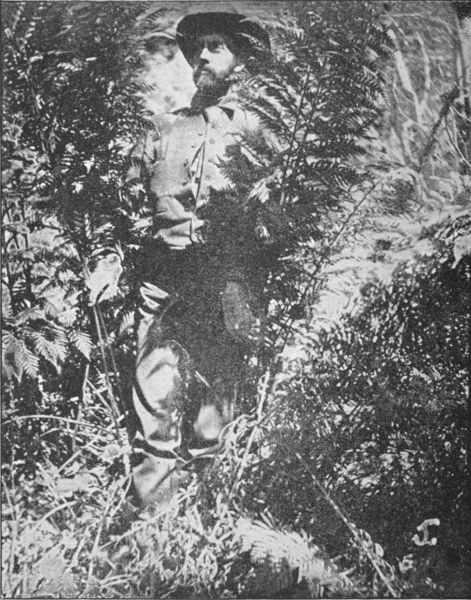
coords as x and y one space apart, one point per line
71 105
316 99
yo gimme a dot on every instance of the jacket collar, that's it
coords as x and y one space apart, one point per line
226 104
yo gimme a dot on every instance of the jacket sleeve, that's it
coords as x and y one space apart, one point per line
174 226
140 157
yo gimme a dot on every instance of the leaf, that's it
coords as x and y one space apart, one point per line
30 363
52 576
276 549
82 482
42 535
51 351
126 324
82 342
68 317
17 358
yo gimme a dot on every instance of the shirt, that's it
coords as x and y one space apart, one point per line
182 164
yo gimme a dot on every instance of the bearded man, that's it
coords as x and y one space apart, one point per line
196 318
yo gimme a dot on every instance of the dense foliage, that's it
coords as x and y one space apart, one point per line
378 412
318 102
354 433
71 110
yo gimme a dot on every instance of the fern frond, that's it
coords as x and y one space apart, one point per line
17 358
277 549
45 349
82 342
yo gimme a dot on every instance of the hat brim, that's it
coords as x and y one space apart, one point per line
245 32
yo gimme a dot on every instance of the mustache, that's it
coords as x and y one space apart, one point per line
204 69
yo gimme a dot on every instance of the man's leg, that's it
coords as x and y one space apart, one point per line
219 359
162 369
158 395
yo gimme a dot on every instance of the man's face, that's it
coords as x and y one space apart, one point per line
212 62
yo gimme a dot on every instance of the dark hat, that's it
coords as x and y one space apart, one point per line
242 30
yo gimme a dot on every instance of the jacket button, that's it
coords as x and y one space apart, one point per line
185 162
211 141
184 182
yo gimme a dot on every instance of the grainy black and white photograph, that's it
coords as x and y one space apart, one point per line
236 299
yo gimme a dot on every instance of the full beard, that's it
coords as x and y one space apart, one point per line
207 82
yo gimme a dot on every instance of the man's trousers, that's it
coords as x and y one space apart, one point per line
188 368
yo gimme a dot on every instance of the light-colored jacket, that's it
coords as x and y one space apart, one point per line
181 163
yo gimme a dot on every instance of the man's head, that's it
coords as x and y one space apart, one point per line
213 60
215 43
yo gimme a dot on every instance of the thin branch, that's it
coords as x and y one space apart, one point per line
94 551
311 278
14 538
115 368
81 400
447 104
463 159
360 543
255 428
77 453
109 385
295 128
427 77
46 417
307 125
53 511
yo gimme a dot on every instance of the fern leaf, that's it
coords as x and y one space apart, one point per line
269 546
20 360
127 323
82 342
49 351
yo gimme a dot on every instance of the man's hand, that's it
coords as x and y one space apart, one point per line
238 318
102 280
